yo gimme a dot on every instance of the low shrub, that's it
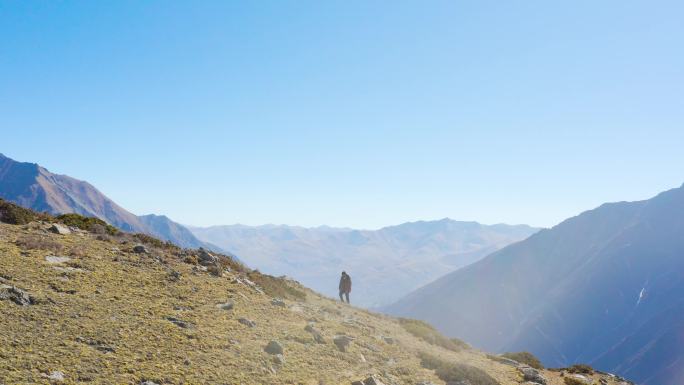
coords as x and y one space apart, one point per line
92 224
152 241
427 333
38 242
525 358
17 215
455 372
581 369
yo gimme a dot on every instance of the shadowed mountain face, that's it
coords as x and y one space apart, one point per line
32 186
605 288
384 264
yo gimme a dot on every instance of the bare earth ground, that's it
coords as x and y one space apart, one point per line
103 317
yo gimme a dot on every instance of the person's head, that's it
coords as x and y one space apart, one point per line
344 273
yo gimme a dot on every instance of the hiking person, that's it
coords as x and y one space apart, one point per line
345 286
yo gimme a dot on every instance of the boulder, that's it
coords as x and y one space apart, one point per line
140 249
342 342
532 375
247 322
59 229
274 347
206 258
16 295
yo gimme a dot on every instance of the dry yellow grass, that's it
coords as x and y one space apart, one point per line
103 317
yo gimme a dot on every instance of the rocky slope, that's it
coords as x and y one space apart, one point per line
385 264
605 288
86 308
34 187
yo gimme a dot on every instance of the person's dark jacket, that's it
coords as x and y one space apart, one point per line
345 284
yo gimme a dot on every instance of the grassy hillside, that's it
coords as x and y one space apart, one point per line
87 308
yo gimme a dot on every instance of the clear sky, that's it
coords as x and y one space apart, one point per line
349 113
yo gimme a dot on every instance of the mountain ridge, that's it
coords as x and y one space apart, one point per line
33 186
581 291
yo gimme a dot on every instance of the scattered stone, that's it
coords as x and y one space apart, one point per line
372 380
206 258
389 340
532 375
226 306
174 276
56 376
56 260
148 382
59 229
278 302
274 347
179 322
16 295
98 345
140 249
247 322
603 381
362 358
342 342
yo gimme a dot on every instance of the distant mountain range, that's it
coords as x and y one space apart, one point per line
33 186
605 288
384 264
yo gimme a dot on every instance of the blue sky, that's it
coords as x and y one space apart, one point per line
349 113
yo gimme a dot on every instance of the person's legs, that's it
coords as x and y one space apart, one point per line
347 295
341 299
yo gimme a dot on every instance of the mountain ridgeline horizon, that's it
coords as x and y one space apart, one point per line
605 288
384 264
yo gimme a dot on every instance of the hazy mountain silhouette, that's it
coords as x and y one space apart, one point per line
33 186
605 287
384 264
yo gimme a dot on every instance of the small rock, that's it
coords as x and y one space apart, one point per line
179 322
577 379
140 249
247 322
56 260
274 347
148 382
59 229
362 358
317 335
225 306
278 302
342 342
279 359
174 276
372 380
